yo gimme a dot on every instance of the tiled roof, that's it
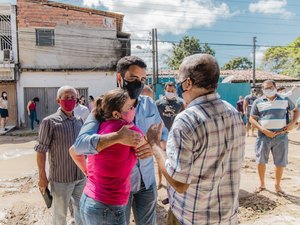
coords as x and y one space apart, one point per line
237 76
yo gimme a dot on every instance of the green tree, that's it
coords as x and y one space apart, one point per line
239 63
186 47
284 59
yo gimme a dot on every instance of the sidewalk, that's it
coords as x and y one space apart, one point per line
13 131
9 128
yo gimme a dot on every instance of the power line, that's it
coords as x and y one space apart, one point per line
58 39
170 11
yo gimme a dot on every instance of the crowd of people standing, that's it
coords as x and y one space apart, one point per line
103 163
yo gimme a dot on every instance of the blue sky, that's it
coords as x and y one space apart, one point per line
273 22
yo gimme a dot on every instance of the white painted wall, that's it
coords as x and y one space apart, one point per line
96 82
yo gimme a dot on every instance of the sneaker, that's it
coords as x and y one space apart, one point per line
5 129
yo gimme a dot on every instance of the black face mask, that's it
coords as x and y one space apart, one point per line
134 88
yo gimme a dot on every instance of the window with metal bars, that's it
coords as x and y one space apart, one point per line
5 32
44 37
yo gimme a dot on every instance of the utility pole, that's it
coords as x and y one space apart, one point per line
156 58
154 61
254 49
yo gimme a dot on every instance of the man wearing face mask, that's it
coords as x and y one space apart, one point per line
205 149
268 114
57 134
131 76
169 105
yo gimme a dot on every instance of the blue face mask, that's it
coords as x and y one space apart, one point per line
179 88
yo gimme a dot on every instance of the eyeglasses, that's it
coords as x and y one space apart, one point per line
179 83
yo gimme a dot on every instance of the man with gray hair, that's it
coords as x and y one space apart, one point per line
205 149
57 134
147 91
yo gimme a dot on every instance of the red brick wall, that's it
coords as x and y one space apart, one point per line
33 13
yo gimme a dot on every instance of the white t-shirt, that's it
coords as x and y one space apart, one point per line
81 111
3 103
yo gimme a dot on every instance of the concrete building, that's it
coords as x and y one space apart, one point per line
61 44
9 59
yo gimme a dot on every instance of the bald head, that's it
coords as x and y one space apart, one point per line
202 69
147 91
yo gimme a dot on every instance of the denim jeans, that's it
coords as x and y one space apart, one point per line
97 213
62 194
143 203
33 118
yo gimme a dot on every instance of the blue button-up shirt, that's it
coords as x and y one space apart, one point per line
146 115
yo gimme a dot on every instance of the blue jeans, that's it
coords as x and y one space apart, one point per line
143 203
33 118
62 194
97 213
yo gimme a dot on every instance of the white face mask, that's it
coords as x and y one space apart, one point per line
270 92
170 95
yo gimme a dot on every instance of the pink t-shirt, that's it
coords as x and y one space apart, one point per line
109 170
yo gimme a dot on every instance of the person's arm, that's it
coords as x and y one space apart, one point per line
87 139
292 124
28 110
89 142
245 106
255 123
79 160
44 141
254 115
41 162
289 93
153 136
160 156
145 150
294 108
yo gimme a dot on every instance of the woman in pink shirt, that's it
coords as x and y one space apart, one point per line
108 185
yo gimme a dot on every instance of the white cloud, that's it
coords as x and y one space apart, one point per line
169 16
259 55
271 7
145 52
